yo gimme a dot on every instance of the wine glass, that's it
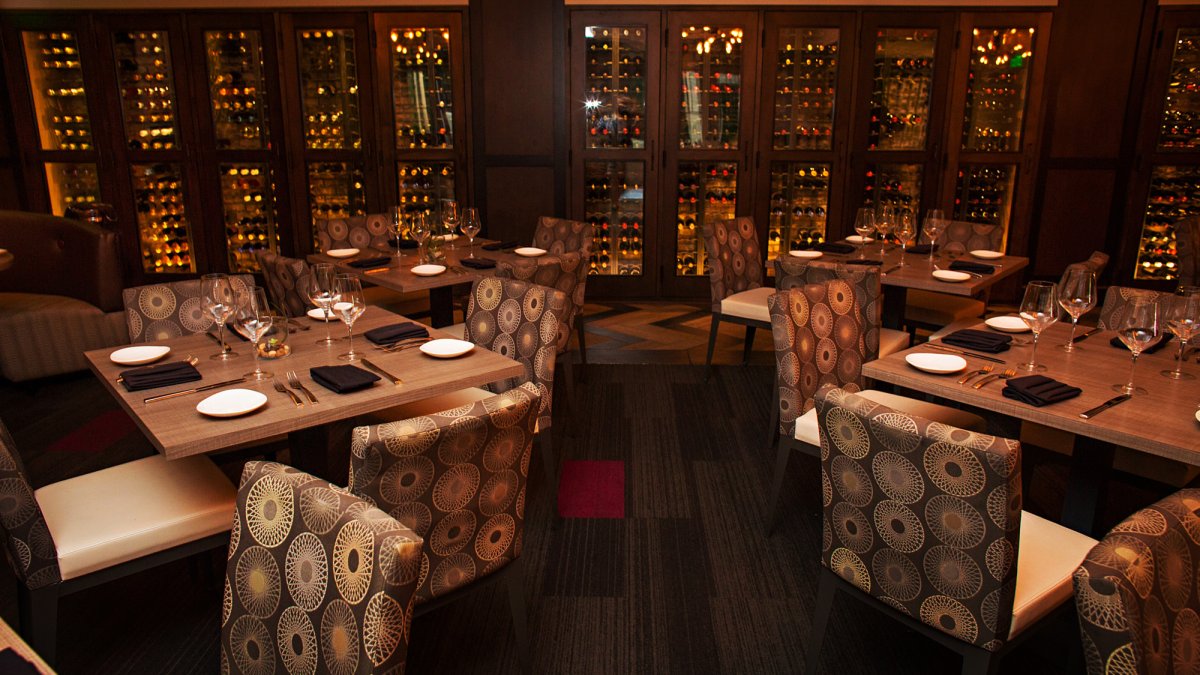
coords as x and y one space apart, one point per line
1182 316
1077 295
323 294
905 230
885 222
420 230
1138 328
451 217
470 227
219 302
349 306
864 225
932 227
1039 309
254 318
397 227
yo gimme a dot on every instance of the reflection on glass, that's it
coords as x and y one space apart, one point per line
147 89
246 194
1181 111
56 80
614 201
997 82
1174 195
616 86
422 98
711 71
329 89
336 190
71 185
983 193
901 89
236 89
805 83
707 194
799 204
895 185
163 230
425 187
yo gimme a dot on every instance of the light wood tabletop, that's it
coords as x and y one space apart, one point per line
10 639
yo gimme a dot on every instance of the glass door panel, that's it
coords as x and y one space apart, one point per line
1174 195
147 89
336 190
711 80
805 88
707 193
896 185
983 193
1181 112
615 68
997 83
422 87
56 81
329 89
425 187
164 233
902 87
247 196
236 89
799 206
71 184
614 200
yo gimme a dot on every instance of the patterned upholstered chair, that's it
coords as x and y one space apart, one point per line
1187 241
458 478
1116 302
932 310
287 281
164 311
87 530
566 272
318 580
736 280
1136 595
559 235
926 519
361 232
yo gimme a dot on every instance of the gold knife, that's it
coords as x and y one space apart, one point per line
163 397
395 380
963 352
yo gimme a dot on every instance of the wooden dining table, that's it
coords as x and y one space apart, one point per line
176 429
1160 422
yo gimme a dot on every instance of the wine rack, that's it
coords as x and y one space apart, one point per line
1181 112
997 83
805 89
336 190
147 89
1174 195
901 88
983 193
56 81
895 185
615 86
422 92
246 195
707 193
236 89
72 184
425 186
711 69
799 206
614 199
329 89
164 233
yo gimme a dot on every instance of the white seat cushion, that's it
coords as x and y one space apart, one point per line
1046 558
892 341
807 430
132 510
751 304
939 309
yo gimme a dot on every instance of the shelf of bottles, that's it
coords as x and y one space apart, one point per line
711 68
246 196
614 204
329 89
895 185
422 91
799 205
163 230
983 193
997 84
147 89
615 102
237 89
425 187
71 184
900 95
1174 195
1181 110
336 190
56 80
805 88
707 193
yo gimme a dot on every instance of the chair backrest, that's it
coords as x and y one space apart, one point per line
961 236
523 321
560 235
567 272
164 311
1136 595
1095 262
31 550
62 256
457 478
1116 302
318 580
867 281
922 516
361 232
735 259
1187 241
287 281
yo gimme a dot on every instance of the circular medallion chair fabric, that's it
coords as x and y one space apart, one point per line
921 516
566 272
287 281
163 311
463 470
1136 592
961 236
867 283
734 258
1117 300
31 551
559 235
335 599
361 232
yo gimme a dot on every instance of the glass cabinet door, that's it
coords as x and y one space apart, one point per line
901 88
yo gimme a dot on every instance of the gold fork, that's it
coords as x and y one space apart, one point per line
291 394
1011 372
982 371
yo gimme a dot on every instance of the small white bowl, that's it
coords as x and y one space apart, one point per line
139 355
428 270
939 364
446 348
231 403
319 314
341 252
951 276
807 255
984 254
856 239
1008 324
530 251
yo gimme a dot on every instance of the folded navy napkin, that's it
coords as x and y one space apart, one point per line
386 335
863 262
977 268
979 340
920 248
1116 342
404 243
833 247
368 263
1039 390
160 375
500 245
13 663
342 379
478 263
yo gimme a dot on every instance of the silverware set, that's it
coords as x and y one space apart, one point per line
1088 414
395 380
295 383
402 345
1008 373
193 390
974 373
953 350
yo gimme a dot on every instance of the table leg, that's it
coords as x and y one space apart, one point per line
894 300
441 306
313 452
1091 463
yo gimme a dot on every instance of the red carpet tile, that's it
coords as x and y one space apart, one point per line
592 489
97 434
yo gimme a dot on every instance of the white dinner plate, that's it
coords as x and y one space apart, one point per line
1008 324
950 275
984 254
1198 415
231 403
856 239
940 364
530 251
447 348
141 354
428 270
808 255
319 314
341 252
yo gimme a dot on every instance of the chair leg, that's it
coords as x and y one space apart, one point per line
821 614
515 581
568 373
978 661
39 620
773 425
781 463
749 344
712 343
546 449
579 330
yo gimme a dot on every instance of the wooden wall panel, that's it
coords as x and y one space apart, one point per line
518 81
516 196
1076 206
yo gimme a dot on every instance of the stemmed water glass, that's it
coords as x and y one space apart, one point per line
397 226
864 225
905 230
1182 316
349 306
1076 295
254 318
885 222
932 227
1139 328
323 293
420 230
451 217
470 227
1039 309
219 302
